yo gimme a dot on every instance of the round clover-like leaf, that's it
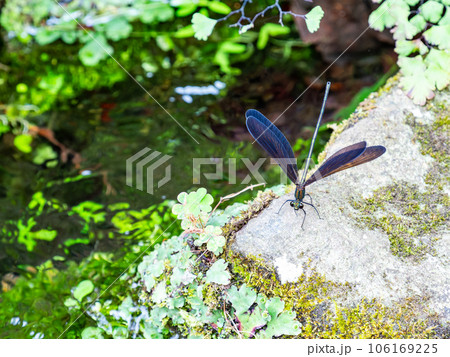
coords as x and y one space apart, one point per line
241 299
218 273
212 235
215 244
194 203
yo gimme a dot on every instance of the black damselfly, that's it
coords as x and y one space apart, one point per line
276 145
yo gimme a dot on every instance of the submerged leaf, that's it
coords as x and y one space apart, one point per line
83 289
92 332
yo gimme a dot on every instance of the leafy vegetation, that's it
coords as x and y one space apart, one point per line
157 278
100 39
421 32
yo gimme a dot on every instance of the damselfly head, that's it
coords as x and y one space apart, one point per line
297 205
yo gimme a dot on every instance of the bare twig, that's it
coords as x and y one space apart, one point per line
250 22
232 195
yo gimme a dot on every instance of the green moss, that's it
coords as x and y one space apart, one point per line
433 138
313 297
411 216
390 83
406 215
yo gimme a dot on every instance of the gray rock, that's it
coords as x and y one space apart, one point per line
340 248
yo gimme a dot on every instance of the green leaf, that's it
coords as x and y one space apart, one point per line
165 43
274 307
212 235
232 47
69 37
431 11
186 10
193 203
251 321
70 302
281 323
389 14
118 29
446 18
181 276
268 30
92 332
159 293
415 83
21 88
218 273
405 30
45 234
419 22
381 18
241 299
439 35
52 82
284 324
95 50
72 241
45 36
184 32
216 244
313 19
44 153
219 218
203 26
437 76
83 289
222 57
404 47
155 12
441 58
438 71
23 143
120 332
219 7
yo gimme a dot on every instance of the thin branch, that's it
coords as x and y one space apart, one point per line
232 195
250 22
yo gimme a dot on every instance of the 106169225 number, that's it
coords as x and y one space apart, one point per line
403 348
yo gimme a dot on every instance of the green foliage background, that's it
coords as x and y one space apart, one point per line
50 61
422 40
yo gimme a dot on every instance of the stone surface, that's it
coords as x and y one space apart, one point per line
337 246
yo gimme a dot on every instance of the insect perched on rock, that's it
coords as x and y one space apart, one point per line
276 145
